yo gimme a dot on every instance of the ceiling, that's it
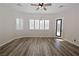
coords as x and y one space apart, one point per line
54 8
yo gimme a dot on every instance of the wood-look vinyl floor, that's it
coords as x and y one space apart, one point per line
39 47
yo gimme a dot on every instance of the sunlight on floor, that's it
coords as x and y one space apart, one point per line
58 43
59 40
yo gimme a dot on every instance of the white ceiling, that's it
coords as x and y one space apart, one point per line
54 8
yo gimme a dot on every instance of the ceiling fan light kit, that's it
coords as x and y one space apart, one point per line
41 6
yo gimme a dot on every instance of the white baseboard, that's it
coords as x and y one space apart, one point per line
10 40
20 37
6 42
72 42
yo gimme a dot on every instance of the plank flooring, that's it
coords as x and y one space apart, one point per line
39 47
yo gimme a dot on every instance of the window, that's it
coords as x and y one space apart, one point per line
36 24
46 24
39 24
31 23
19 24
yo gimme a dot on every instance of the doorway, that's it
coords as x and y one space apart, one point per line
58 27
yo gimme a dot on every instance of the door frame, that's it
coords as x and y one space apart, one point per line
60 27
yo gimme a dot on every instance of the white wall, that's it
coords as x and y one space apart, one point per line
71 25
8 30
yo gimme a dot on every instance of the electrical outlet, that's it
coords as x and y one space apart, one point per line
74 40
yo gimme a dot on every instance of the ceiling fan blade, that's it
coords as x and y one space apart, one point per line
18 4
47 4
34 5
44 8
37 8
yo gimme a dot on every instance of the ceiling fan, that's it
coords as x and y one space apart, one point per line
41 5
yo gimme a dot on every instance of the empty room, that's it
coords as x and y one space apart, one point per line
39 29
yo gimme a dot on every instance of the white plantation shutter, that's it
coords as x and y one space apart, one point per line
36 24
31 23
42 24
39 24
19 24
46 24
